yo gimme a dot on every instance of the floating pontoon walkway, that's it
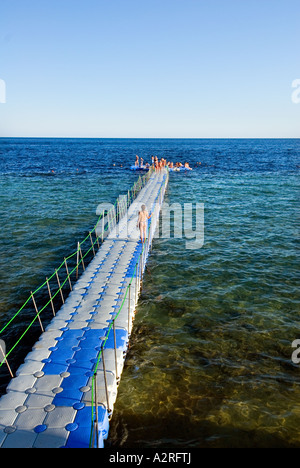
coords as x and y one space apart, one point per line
64 393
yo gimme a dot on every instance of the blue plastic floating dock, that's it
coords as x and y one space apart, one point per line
50 403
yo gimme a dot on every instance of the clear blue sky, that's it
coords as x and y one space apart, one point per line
149 68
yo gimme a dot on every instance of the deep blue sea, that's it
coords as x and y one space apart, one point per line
210 361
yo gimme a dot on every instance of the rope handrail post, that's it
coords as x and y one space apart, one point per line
50 295
108 220
111 220
93 433
105 379
145 250
148 239
37 312
102 231
115 351
59 287
68 275
141 268
136 281
4 359
121 204
97 239
125 205
81 256
77 260
139 275
119 214
96 409
90 234
129 294
114 217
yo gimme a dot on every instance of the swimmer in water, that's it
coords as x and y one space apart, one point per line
142 222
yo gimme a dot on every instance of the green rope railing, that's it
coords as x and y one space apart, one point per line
111 325
135 189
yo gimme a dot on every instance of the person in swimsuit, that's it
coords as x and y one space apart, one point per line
187 166
142 222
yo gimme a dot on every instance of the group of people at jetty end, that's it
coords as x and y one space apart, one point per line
158 164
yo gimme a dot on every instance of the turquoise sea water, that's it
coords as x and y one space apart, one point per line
210 361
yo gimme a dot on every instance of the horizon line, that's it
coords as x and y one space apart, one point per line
149 138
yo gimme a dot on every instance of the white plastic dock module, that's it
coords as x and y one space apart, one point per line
49 402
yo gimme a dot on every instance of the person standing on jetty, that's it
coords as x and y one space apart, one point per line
142 222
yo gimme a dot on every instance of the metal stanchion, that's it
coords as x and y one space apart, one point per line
115 349
129 291
37 312
81 257
2 359
68 274
92 244
102 232
77 260
136 281
50 295
105 380
141 269
59 286
96 410
97 239
109 221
